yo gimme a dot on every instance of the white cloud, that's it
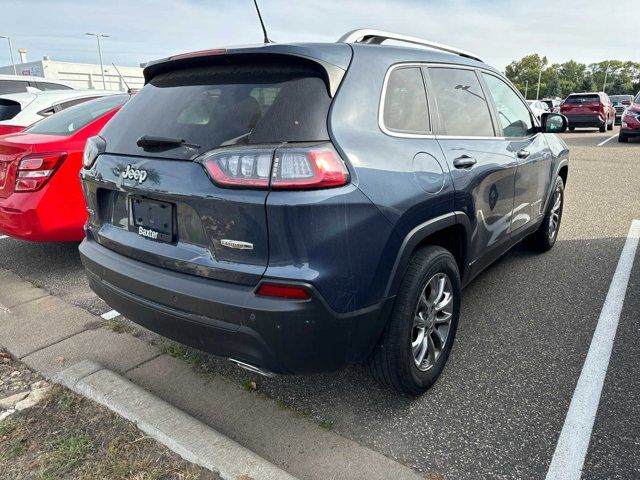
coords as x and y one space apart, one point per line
141 30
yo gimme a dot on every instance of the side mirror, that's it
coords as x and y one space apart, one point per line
554 122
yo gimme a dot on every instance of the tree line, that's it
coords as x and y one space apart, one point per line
561 79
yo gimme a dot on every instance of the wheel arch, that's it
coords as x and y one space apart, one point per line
449 231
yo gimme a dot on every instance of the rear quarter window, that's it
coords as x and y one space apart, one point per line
12 86
217 106
8 109
405 108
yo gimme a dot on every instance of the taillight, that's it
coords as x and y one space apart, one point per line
240 168
288 167
36 169
291 292
6 129
313 167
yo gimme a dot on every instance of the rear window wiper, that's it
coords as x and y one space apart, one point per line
149 141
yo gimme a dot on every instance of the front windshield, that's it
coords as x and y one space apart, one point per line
637 100
69 121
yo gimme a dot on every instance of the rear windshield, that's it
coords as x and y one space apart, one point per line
583 99
79 116
8 109
224 105
620 98
548 103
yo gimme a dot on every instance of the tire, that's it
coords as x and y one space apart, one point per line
416 324
572 129
603 128
542 240
610 126
623 139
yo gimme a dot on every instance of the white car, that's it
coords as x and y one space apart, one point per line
538 108
27 83
20 110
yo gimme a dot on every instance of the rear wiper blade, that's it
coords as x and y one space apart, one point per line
147 141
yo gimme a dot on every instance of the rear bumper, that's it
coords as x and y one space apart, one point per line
38 217
585 120
230 320
630 132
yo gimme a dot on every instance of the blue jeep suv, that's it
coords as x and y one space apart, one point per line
299 207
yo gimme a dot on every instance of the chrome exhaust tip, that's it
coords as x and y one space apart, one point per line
252 368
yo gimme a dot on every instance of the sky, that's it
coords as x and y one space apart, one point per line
499 31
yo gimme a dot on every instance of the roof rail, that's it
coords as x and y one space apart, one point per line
376 37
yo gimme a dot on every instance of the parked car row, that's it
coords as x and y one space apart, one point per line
20 110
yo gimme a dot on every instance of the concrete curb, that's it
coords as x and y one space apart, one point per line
188 437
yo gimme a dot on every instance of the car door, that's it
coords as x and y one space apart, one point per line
521 138
482 171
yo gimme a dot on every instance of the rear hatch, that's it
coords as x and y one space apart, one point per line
153 196
588 104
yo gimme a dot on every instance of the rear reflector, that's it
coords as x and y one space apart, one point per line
291 168
291 292
35 170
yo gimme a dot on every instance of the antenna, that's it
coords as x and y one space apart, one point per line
264 29
121 77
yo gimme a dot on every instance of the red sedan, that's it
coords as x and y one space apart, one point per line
40 193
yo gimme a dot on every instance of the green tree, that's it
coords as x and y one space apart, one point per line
526 71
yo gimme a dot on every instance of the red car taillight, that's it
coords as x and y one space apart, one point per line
6 129
36 169
291 168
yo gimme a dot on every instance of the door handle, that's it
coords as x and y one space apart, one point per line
464 161
523 153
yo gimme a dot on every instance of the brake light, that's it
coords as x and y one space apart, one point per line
35 170
313 167
199 53
6 129
292 292
292 168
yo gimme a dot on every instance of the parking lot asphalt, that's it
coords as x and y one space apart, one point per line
526 325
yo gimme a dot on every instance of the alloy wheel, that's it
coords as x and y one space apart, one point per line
432 321
554 217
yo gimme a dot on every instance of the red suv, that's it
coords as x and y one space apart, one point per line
630 121
589 110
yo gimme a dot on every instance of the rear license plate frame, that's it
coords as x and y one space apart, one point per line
152 219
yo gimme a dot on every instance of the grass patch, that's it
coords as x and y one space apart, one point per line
119 326
326 425
191 356
249 384
68 436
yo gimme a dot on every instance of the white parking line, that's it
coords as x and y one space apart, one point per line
571 450
608 139
110 315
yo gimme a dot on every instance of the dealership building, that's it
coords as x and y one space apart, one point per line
80 75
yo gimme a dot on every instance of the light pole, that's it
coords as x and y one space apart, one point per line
526 90
604 87
539 78
15 72
98 35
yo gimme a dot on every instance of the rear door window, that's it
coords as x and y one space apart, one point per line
8 109
216 106
45 86
462 106
12 86
74 118
513 115
405 107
